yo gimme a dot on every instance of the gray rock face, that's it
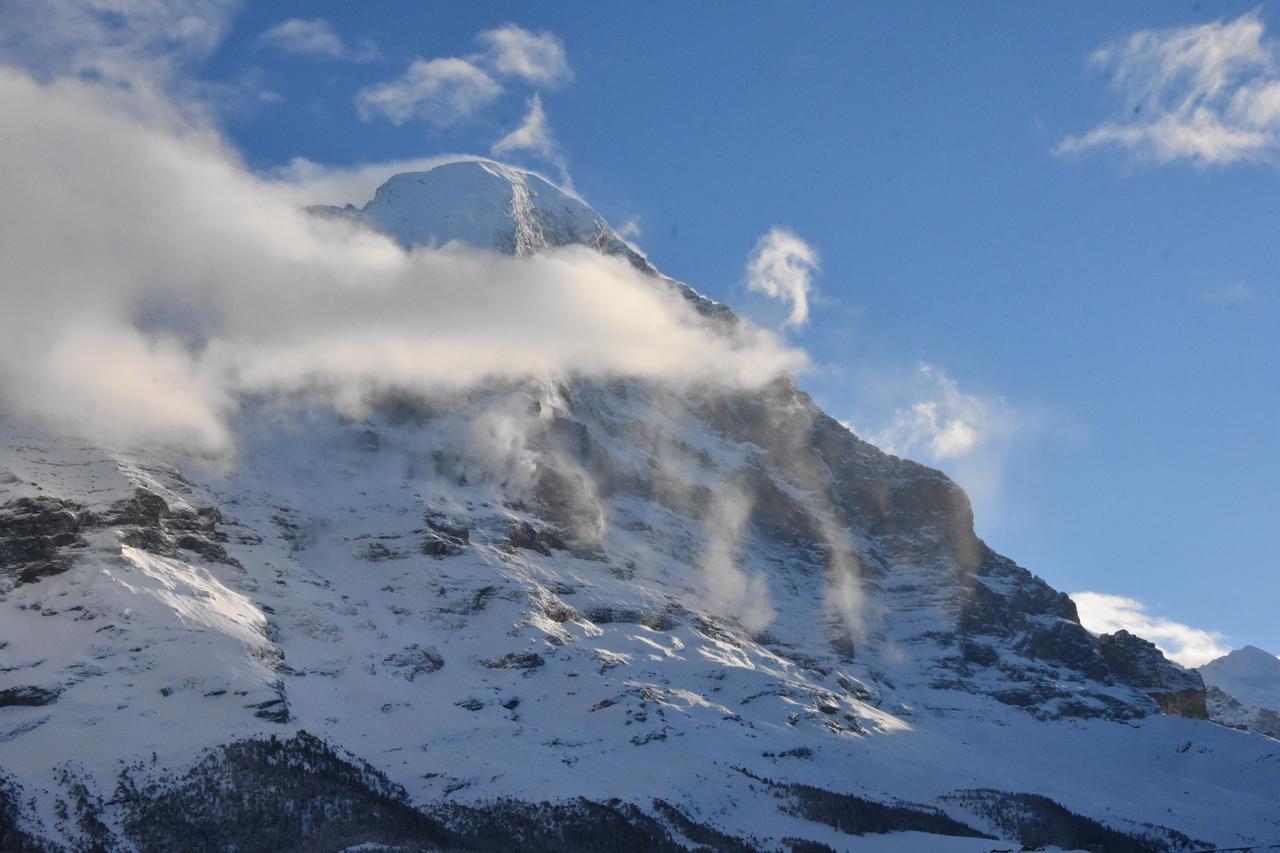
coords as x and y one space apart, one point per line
147 522
525 535
40 536
515 660
36 536
28 696
1139 663
414 661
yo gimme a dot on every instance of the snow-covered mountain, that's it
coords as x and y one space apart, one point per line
1244 690
566 614
482 203
1249 674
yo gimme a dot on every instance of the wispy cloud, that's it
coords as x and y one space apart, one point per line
1237 293
781 266
438 91
630 229
316 37
534 136
537 58
1209 94
1106 614
730 589
925 415
140 44
450 90
947 424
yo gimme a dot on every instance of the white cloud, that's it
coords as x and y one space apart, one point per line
781 266
631 229
1238 293
534 136
537 58
447 90
316 37
1105 614
151 282
438 91
1209 94
949 424
926 416
133 43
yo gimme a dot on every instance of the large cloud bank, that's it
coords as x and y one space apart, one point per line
152 282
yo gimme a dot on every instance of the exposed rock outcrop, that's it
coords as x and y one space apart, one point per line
28 696
1138 663
146 521
37 536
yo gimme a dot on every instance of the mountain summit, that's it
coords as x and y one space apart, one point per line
485 204
565 614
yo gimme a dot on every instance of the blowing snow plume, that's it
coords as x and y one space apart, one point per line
153 282
729 589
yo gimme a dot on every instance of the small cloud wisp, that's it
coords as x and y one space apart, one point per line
316 37
781 266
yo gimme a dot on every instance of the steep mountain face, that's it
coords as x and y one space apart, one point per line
565 614
1138 662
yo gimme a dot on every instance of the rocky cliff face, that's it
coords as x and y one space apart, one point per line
569 604
1138 663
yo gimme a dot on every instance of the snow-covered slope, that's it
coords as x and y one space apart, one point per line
1224 708
566 615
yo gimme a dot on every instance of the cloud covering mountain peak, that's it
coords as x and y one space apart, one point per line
155 281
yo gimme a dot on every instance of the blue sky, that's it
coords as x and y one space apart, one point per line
1082 329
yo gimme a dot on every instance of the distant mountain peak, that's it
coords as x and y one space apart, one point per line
1247 657
1249 674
